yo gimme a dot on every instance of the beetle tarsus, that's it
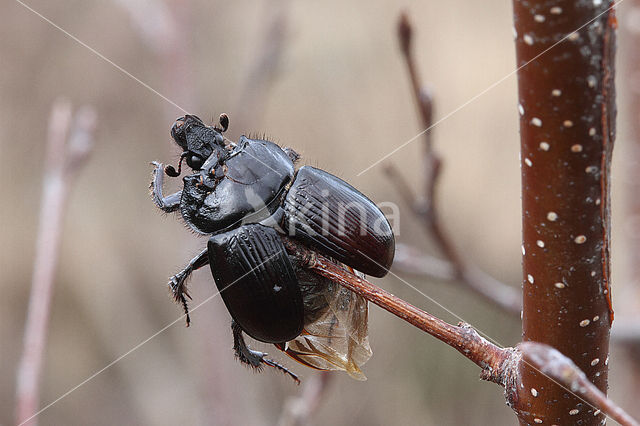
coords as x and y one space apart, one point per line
186 310
272 363
177 284
255 359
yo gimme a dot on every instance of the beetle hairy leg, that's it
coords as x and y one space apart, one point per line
169 203
254 359
179 292
178 282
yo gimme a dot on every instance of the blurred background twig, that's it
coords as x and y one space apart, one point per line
299 410
457 267
562 370
164 26
69 143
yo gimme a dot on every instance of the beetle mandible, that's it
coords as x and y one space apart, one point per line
246 196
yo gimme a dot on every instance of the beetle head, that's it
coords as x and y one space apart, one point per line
197 140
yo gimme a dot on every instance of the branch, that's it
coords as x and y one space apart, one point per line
566 96
65 156
563 371
506 297
503 366
462 337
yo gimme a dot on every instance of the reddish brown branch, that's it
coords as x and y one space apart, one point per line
66 153
422 95
567 118
506 297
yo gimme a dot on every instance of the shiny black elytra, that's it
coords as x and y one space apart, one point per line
245 196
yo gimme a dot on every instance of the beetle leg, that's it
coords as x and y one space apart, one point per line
254 359
167 204
178 282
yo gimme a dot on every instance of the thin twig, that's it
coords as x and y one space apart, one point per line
501 294
462 337
300 409
560 368
67 152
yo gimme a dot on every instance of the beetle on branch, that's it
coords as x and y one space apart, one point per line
246 196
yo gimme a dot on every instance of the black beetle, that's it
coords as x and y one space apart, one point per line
245 196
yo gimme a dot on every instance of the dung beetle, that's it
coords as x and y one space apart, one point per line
246 197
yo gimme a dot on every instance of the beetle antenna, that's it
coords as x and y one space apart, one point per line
171 171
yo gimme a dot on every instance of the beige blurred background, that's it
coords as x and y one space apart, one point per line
341 97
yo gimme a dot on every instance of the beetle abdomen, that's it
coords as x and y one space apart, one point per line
257 282
330 215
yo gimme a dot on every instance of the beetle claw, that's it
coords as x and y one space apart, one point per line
156 167
255 359
277 366
186 311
